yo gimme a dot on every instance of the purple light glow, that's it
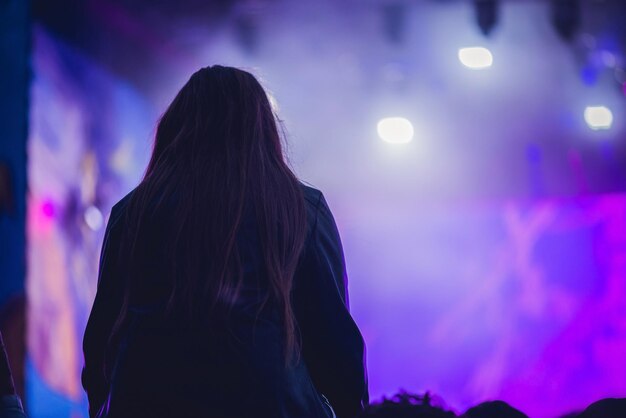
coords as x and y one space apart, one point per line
519 302
47 209
589 75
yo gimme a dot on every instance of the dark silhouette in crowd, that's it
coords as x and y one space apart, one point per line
222 284
10 403
405 405
606 408
493 409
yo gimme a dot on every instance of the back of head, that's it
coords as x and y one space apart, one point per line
493 409
405 405
606 408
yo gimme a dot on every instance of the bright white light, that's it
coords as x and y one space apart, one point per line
598 117
395 130
93 218
476 58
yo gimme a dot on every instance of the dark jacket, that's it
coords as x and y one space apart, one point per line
233 368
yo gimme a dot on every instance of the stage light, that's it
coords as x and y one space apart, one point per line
395 130
476 58
486 15
566 17
598 117
93 218
395 21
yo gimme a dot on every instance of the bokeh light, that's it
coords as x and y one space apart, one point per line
598 117
476 58
93 218
395 130
47 209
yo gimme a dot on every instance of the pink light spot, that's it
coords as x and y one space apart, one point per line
41 217
47 208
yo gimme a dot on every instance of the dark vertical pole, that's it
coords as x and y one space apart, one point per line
14 82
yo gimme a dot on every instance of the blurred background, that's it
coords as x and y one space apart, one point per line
473 153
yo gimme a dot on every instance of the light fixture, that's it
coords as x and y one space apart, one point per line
476 58
486 15
598 117
395 130
566 17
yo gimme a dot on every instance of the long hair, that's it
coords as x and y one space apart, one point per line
217 156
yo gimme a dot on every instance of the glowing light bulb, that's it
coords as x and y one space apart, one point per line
598 117
395 130
476 58
93 218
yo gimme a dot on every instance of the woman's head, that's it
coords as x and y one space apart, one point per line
217 158
221 114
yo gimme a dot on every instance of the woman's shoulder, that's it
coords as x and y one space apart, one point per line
119 208
313 198
121 204
317 208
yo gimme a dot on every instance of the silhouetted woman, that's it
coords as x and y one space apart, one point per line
222 286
